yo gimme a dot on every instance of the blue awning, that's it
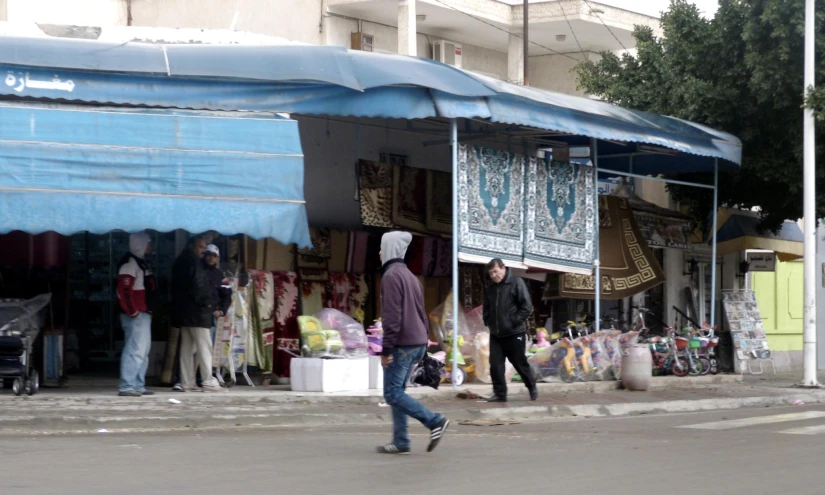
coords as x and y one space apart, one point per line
334 81
71 169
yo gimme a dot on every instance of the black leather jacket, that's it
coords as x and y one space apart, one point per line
507 306
191 292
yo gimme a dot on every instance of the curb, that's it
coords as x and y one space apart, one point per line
30 425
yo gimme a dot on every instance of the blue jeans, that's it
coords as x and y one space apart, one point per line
134 361
396 377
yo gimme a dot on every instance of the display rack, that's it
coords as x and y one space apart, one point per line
749 339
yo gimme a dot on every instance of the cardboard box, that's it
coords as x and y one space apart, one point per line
329 375
376 373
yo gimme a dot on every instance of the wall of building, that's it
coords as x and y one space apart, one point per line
87 13
555 72
282 18
4 6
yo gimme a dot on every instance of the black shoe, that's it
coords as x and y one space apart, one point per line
392 449
437 433
534 393
147 392
129 393
496 398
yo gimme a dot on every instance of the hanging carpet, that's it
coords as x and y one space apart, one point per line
261 321
409 199
376 194
321 244
313 297
287 334
560 216
628 266
491 205
439 202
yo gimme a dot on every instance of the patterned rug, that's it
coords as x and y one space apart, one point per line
321 244
491 205
443 266
339 240
357 252
561 216
261 320
313 297
628 266
409 199
287 335
376 194
439 202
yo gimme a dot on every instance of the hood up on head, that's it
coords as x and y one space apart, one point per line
139 243
394 245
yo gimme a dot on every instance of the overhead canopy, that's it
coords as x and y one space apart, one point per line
334 81
71 169
739 230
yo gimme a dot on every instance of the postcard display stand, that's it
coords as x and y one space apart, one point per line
749 340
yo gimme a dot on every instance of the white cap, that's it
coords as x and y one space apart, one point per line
213 249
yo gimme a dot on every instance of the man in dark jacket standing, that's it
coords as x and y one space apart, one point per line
191 312
406 333
507 306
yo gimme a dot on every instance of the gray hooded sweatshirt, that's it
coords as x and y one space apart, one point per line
402 298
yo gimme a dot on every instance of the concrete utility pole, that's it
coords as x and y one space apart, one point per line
809 208
526 38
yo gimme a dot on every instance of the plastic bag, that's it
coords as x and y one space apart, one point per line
585 357
481 357
556 363
375 338
316 341
601 359
429 372
350 332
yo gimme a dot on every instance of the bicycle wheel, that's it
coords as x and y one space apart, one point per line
698 368
680 366
705 365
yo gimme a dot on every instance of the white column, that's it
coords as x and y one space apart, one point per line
515 58
407 43
809 210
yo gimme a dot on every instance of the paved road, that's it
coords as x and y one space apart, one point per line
748 451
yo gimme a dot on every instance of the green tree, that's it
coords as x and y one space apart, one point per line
741 72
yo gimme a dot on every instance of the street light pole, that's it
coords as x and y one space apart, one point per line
809 208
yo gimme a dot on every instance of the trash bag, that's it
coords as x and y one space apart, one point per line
429 372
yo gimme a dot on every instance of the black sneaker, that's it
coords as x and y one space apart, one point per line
147 392
177 388
129 393
392 449
534 393
496 398
437 433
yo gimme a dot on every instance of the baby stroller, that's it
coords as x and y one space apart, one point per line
20 322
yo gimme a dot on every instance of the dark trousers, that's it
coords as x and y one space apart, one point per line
511 348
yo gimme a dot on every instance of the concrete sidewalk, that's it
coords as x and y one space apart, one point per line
83 411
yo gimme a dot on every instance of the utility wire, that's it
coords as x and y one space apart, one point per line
594 11
506 31
572 31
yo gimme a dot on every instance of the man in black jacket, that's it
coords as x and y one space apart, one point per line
507 306
191 312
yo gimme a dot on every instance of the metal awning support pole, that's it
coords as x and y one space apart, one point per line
594 146
456 307
713 248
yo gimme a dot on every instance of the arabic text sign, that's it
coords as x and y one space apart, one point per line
761 262
21 81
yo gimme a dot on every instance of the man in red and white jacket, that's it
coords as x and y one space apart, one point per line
135 292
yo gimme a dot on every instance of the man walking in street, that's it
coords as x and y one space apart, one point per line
507 306
406 333
191 312
135 293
